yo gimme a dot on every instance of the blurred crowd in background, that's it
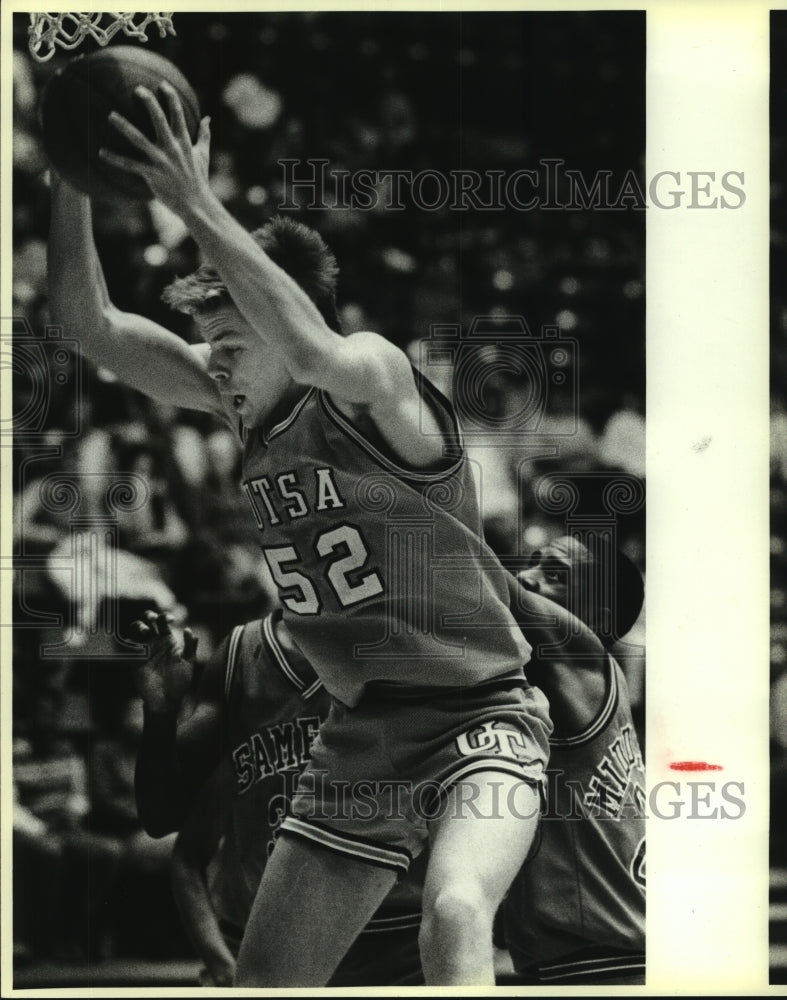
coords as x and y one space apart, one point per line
410 91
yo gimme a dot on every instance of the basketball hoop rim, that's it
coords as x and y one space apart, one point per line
67 30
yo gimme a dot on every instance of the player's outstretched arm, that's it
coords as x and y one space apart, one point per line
141 353
569 662
196 844
175 756
550 626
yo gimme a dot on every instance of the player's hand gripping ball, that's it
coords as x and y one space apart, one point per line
75 108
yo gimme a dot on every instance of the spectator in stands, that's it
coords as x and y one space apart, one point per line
56 903
142 861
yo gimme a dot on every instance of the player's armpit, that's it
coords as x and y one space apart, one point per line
362 368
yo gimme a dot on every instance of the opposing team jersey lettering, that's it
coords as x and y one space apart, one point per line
275 705
595 825
615 779
274 749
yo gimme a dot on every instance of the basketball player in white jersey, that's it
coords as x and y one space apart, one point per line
333 427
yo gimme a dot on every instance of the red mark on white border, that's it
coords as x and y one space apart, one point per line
694 765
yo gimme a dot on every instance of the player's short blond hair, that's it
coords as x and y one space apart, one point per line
296 248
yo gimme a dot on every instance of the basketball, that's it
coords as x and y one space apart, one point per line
74 111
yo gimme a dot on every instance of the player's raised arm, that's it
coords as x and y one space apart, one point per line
141 353
177 173
362 369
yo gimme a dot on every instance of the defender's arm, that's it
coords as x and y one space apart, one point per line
175 758
569 662
197 842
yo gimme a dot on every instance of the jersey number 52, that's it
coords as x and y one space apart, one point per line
343 554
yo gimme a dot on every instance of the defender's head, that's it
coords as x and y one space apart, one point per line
564 571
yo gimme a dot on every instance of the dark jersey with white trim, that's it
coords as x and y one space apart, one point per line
274 706
382 570
577 907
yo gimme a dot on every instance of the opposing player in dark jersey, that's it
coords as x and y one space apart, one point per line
258 708
371 528
576 912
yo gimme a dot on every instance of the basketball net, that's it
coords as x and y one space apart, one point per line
66 31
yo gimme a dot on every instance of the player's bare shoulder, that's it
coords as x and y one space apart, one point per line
390 398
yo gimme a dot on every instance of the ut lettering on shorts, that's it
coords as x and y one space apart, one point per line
381 772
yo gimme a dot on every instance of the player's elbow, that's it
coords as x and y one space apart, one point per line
92 323
182 860
109 321
158 813
158 826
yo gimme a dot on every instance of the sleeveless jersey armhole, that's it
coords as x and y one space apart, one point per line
601 721
302 677
232 659
382 453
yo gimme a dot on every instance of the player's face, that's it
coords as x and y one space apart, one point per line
553 568
249 376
